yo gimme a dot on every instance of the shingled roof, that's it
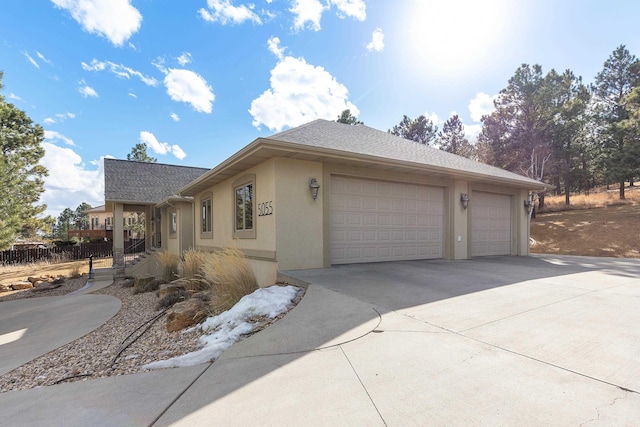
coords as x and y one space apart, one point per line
129 181
368 141
322 140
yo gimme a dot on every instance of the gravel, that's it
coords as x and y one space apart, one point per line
92 356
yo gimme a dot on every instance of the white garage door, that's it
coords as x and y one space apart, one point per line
384 221
490 224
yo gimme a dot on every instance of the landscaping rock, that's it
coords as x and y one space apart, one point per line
18 286
5 288
185 314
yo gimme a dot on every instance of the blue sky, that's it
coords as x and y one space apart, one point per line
199 80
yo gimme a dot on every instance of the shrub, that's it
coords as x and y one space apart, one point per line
169 264
75 272
230 276
147 284
172 298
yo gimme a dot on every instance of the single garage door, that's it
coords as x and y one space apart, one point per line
375 220
490 224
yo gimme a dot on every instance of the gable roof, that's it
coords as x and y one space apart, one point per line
128 181
323 140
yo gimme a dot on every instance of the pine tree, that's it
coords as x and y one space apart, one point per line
421 130
453 140
21 175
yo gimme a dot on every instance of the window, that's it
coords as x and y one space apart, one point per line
206 216
244 214
173 224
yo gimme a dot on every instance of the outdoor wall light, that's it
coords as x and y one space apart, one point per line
464 199
314 186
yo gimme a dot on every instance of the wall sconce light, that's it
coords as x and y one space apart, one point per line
464 199
314 186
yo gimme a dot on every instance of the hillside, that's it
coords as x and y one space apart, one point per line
612 231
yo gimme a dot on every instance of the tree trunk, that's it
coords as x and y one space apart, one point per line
540 201
622 190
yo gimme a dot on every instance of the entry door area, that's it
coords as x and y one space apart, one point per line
490 224
374 220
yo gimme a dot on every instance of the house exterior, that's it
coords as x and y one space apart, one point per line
327 193
150 188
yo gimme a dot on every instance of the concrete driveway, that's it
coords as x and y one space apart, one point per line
493 341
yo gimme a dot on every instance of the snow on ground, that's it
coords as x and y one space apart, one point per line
223 330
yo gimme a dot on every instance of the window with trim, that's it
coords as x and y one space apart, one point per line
173 224
205 216
244 213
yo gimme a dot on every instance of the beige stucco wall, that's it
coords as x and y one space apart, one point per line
460 220
299 218
183 239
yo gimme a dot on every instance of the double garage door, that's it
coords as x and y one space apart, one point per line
375 220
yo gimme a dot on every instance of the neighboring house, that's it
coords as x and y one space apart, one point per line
132 187
327 193
377 197
101 224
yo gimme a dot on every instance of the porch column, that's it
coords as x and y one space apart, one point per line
148 240
118 241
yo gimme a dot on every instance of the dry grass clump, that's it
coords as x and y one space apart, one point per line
592 200
146 284
169 263
230 276
75 273
191 267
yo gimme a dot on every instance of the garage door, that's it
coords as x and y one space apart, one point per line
490 224
375 220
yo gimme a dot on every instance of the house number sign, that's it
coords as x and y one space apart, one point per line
265 208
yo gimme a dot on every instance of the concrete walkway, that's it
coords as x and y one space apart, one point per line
32 327
500 341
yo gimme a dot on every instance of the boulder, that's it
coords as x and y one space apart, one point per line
18 286
185 314
5 288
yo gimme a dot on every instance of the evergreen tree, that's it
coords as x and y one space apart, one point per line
452 138
139 153
21 175
349 119
617 139
421 130
81 216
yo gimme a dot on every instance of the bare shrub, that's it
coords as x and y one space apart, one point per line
172 298
147 284
169 263
230 276
75 272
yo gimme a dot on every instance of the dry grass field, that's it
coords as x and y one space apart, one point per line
596 225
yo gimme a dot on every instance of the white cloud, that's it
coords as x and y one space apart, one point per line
480 105
42 57
119 70
133 95
87 91
224 12
274 47
307 11
116 20
53 136
69 183
14 96
299 93
472 131
59 117
33 61
351 8
187 86
161 147
184 59
175 117
434 118
377 41
48 121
